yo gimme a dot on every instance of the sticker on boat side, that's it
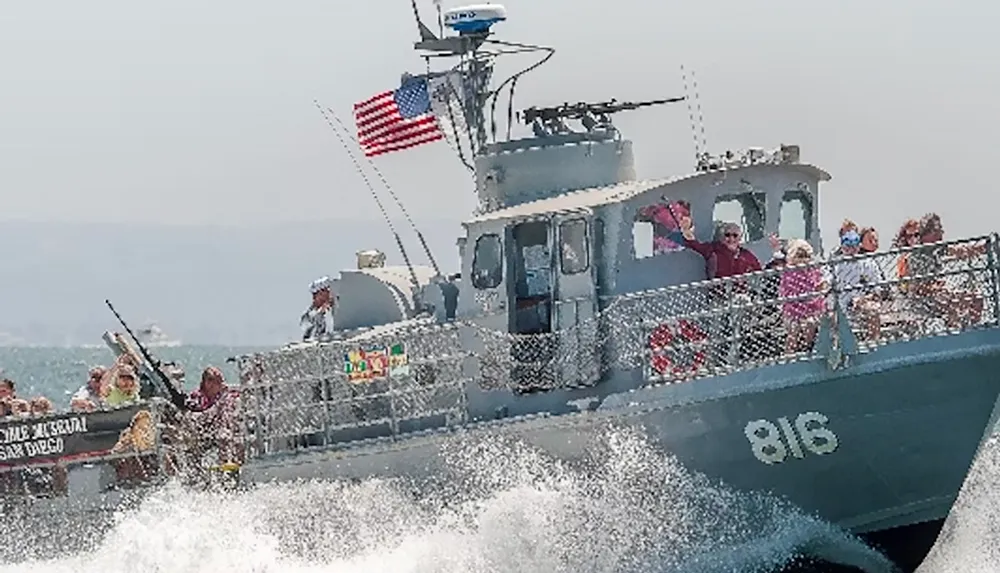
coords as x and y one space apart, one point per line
772 442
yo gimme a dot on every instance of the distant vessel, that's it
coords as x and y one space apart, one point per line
152 336
8 339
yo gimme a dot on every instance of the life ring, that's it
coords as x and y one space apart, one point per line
662 338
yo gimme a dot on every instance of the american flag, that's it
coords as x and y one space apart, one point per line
396 119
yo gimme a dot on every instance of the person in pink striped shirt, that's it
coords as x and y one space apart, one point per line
801 315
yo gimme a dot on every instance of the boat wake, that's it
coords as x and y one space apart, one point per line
970 539
506 508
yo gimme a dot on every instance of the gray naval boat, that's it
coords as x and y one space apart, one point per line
578 309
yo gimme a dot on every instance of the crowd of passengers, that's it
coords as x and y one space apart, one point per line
862 288
208 422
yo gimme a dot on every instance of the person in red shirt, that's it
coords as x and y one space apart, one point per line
725 256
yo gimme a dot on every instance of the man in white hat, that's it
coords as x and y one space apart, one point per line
318 319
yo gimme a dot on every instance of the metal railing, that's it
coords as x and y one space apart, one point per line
340 392
322 396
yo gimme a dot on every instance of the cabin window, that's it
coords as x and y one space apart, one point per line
599 248
654 224
795 218
746 209
574 246
487 262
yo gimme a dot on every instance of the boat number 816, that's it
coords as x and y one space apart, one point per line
772 442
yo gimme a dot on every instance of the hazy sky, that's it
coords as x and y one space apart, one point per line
200 112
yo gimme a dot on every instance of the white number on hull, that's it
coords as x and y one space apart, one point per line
772 443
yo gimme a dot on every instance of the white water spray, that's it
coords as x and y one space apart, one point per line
970 539
506 508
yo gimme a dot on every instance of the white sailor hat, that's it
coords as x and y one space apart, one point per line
319 284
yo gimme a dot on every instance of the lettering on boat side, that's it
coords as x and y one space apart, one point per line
38 439
63 437
771 442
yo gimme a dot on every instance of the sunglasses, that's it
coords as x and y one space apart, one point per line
850 243
732 235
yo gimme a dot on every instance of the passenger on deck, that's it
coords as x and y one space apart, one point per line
845 227
907 236
767 340
869 239
725 256
801 316
963 307
89 397
318 319
852 279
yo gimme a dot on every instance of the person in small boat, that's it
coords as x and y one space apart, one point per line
10 404
854 281
213 410
801 316
138 439
318 318
89 397
123 387
40 406
962 306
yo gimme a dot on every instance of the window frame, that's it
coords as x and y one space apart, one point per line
745 204
586 246
804 198
476 283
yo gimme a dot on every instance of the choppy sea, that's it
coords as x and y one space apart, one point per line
515 510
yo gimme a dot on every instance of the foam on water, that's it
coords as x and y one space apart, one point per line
505 508
970 539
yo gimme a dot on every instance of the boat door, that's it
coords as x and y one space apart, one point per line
534 347
575 294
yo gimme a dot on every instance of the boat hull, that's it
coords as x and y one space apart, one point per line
883 443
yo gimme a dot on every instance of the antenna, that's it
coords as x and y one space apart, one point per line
392 194
381 207
437 5
690 108
701 118
424 31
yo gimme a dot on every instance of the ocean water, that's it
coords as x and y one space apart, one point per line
509 509
57 373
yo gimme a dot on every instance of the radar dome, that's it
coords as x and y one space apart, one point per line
474 19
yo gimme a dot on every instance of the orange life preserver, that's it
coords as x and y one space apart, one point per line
662 337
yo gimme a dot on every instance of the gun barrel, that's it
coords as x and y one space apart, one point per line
578 110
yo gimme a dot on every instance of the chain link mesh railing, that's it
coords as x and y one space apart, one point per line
413 376
383 385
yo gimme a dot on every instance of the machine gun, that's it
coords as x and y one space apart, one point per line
591 115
